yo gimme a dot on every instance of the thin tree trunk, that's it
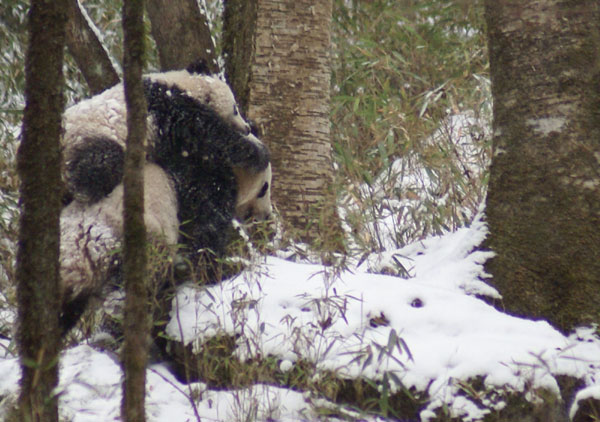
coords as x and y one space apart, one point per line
286 93
88 52
135 321
239 33
543 205
181 33
38 163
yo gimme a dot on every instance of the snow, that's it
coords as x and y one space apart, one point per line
431 330
592 392
90 391
451 335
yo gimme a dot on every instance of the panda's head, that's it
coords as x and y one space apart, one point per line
254 191
208 90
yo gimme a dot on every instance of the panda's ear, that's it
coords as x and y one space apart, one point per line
198 67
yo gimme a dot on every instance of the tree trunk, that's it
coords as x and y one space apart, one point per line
543 205
38 164
181 33
135 321
88 52
239 33
284 88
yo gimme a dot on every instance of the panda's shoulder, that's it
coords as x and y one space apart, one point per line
103 114
111 98
201 87
166 98
180 79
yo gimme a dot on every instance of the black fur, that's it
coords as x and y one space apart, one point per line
96 167
189 127
72 310
199 67
199 150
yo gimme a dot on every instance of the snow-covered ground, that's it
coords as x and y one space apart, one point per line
429 330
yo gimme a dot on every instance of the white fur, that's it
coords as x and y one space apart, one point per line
249 186
103 115
85 245
90 232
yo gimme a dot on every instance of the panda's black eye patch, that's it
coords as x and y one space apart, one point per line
263 190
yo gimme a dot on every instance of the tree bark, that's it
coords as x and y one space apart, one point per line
543 205
38 164
88 52
181 33
285 91
135 321
239 33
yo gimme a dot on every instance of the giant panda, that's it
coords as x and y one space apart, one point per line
200 174
95 129
91 233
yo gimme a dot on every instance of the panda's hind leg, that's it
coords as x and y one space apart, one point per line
94 168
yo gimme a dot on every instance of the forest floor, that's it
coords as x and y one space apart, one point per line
428 334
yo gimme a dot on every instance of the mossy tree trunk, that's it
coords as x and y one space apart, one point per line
136 319
182 34
38 164
543 205
278 62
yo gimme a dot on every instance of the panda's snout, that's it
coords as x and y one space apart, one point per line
252 214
